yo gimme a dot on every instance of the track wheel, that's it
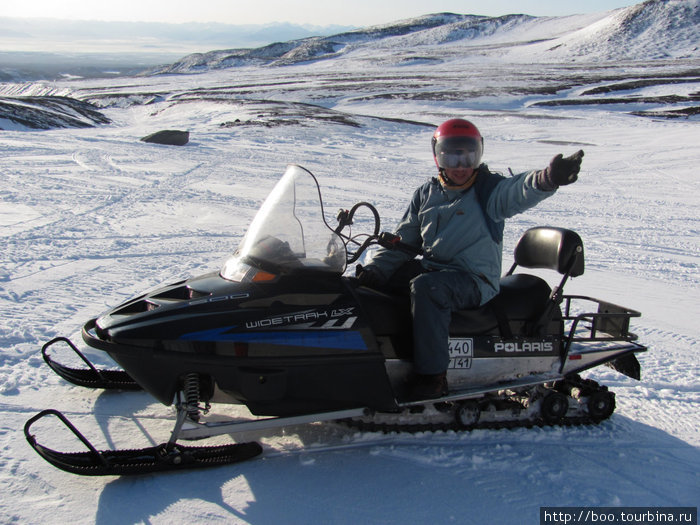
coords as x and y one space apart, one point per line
554 407
468 413
601 404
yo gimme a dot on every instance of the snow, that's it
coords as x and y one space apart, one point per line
90 217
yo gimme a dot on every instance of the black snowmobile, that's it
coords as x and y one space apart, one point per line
282 331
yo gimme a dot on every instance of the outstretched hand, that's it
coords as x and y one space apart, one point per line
560 172
563 171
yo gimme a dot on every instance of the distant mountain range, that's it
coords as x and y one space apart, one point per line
655 29
54 35
50 49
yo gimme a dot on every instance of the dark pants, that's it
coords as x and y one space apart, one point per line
434 296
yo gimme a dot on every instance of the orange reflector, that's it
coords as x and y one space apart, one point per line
261 277
574 357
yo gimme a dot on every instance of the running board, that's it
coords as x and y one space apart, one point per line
470 393
192 430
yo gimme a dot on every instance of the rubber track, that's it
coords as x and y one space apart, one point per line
414 428
588 385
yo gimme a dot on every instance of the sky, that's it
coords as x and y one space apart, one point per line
312 12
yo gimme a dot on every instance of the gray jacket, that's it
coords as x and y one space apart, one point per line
455 229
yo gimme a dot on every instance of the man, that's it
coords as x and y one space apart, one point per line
457 220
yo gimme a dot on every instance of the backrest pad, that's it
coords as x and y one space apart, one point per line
551 248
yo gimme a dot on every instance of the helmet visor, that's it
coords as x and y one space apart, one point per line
458 152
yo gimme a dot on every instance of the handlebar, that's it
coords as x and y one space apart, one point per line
387 240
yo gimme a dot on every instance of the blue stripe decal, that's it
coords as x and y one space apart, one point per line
337 339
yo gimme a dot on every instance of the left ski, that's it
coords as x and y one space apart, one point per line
165 457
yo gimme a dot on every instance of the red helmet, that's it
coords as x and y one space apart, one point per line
457 144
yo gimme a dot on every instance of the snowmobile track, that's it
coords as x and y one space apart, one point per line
587 388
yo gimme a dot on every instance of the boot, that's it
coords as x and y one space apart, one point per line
424 387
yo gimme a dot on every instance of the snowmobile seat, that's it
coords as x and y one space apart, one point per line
555 249
526 303
520 301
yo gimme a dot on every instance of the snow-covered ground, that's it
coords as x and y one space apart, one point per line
90 217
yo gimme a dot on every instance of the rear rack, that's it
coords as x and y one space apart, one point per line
602 331
610 322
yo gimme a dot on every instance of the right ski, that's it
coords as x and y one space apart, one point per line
90 377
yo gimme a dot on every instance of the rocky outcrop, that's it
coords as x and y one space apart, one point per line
170 137
49 112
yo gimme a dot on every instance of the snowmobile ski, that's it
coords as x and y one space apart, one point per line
90 377
165 457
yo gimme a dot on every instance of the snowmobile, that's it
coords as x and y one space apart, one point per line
286 331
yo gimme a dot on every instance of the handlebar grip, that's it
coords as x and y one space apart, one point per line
391 241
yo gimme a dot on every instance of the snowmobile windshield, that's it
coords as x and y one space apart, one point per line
289 232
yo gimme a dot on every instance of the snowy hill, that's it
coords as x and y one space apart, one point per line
285 53
655 29
650 30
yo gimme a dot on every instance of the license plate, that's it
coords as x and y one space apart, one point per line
461 353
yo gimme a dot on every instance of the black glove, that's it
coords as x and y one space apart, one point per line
560 172
368 276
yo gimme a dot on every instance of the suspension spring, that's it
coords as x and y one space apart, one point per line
191 389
